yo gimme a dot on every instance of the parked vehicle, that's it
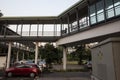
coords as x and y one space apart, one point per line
89 65
42 63
30 61
31 70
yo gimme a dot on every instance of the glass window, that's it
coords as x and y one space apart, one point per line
25 31
100 17
117 6
92 14
110 13
83 22
100 11
74 26
116 2
64 28
93 19
117 10
33 30
100 6
109 4
109 8
92 10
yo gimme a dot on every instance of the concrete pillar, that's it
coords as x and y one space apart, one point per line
64 58
17 58
9 55
77 18
23 56
36 53
28 54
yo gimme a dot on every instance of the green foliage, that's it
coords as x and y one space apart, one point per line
50 54
80 50
72 56
81 53
31 55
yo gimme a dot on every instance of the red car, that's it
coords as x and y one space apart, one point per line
32 70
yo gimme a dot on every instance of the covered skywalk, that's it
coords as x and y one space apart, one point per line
82 23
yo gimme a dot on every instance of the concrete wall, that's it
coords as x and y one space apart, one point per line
116 50
2 61
106 60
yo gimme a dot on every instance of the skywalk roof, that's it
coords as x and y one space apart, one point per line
42 19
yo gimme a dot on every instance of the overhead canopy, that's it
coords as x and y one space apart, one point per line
29 20
28 39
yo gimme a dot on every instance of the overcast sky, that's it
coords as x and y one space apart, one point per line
34 7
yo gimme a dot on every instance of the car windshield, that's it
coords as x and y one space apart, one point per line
24 66
42 62
36 66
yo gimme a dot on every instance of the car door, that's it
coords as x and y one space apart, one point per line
26 70
18 70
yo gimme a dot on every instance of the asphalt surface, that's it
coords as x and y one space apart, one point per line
66 76
53 75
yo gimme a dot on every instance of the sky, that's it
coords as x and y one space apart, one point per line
35 7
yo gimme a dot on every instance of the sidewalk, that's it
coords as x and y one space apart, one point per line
69 66
66 76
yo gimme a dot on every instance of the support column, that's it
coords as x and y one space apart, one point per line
61 26
54 29
43 30
88 4
21 30
38 28
17 58
40 53
23 56
68 24
64 58
9 55
77 18
36 53
30 30
28 53
17 28
5 31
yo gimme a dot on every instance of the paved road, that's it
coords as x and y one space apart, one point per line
56 76
69 66
67 76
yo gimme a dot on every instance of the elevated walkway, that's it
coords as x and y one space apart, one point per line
29 38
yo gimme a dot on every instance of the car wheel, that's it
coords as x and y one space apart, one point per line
32 75
9 74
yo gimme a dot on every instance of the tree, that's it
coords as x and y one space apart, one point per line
72 56
81 53
50 54
31 55
80 50
88 54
